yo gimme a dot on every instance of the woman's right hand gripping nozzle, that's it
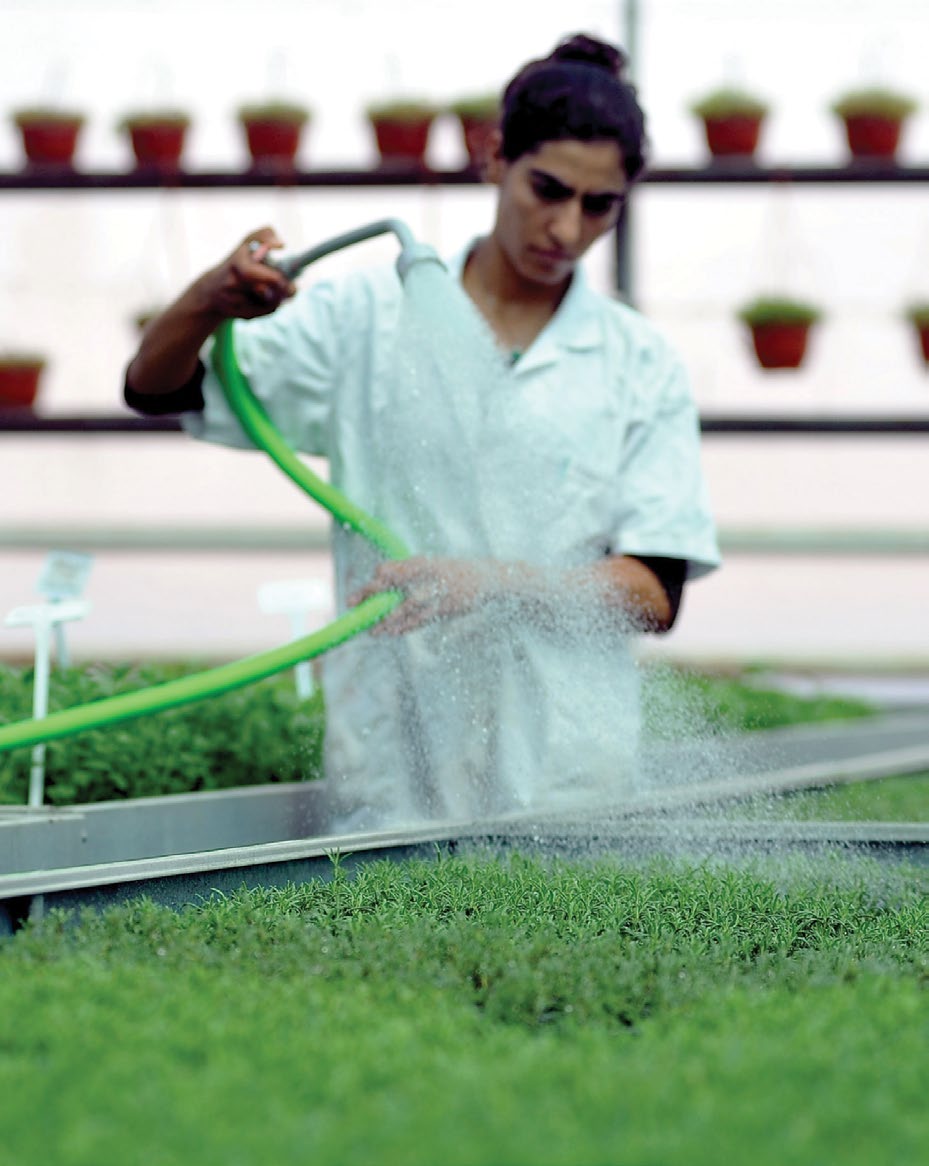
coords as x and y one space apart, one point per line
244 285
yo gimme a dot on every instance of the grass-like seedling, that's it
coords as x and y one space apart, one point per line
677 702
874 101
264 733
892 799
251 736
476 1011
778 309
729 101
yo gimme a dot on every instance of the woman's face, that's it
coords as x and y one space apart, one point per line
554 203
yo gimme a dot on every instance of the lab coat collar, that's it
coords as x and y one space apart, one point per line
575 326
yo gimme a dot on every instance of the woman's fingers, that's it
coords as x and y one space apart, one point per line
432 589
255 288
396 575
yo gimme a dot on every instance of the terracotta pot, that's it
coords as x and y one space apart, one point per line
52 142
476 132
19 382
402 140
780 345
732 136
922 335
272 142
158 145
872 135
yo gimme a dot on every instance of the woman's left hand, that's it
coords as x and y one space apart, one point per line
433 590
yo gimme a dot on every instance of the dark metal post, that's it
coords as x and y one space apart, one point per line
625 282
623 255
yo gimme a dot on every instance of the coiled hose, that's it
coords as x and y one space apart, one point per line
238 674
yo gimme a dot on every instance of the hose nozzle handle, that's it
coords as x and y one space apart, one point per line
414 253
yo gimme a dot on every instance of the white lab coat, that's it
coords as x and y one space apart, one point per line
589 444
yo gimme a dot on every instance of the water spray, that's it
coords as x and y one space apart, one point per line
258 426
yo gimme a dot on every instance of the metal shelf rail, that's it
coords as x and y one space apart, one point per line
24 421
720 172
35 178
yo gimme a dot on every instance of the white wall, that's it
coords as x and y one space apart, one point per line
76 267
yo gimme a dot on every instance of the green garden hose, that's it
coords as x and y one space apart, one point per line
259 427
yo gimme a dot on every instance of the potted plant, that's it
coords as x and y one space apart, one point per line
157 137
918 316
20 375
873 120
478 116
49 135
780 328
401 130
273 130
732 120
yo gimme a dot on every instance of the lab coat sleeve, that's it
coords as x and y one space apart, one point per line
665 507
291 361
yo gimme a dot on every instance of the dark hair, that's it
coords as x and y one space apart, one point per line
577 91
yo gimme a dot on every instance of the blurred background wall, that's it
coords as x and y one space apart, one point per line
826 538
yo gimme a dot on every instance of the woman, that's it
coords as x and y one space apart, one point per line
536 446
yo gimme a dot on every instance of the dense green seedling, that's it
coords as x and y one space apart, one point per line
892 799
263 733
260 734
470 1011
496 921
677 702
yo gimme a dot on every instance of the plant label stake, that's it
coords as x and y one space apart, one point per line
296 599
43 618
64 576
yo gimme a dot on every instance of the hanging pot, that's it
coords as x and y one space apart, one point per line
873 119
920 325
923 334
273 133
732 119
20 376
401 131
49 138
780 328
733 135
478 116
157 139
780 345
871 135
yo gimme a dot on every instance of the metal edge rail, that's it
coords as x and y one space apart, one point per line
662 822
438 838
183 880
204 538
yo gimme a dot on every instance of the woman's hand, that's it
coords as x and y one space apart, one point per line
618 591
433 590
243 285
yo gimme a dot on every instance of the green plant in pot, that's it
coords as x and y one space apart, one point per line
49 134
157 137
917 314
874 118
780 329
273 132
401 129
478 116
20 378
732 121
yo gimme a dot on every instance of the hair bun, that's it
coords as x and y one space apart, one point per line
587 50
